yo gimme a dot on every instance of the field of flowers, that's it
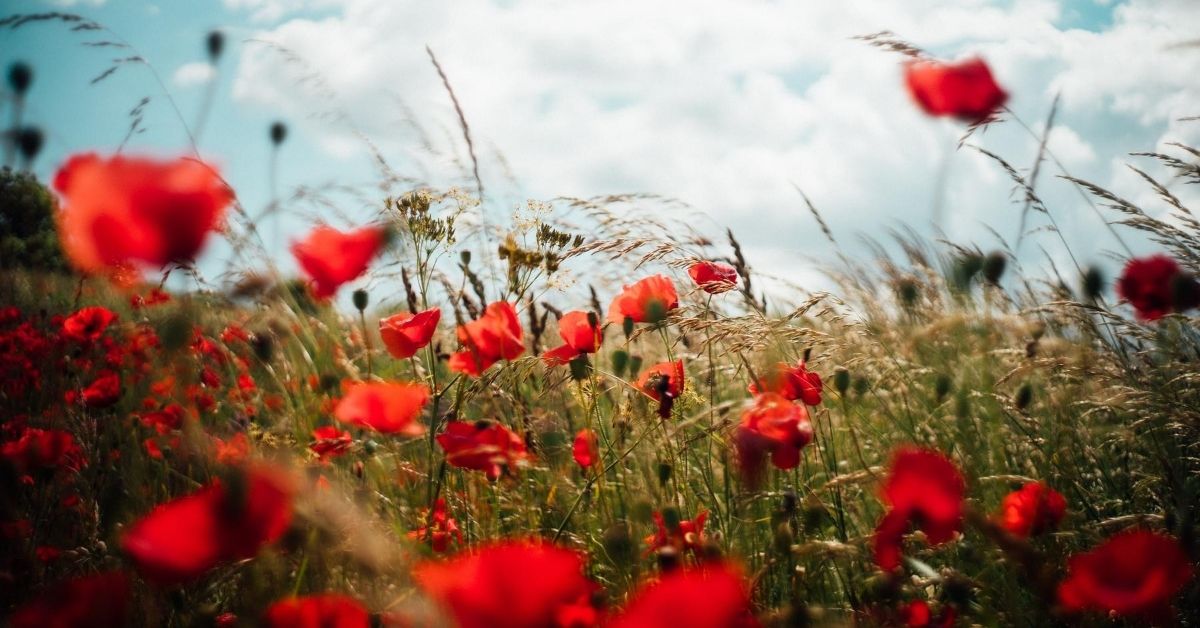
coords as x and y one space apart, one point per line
942 441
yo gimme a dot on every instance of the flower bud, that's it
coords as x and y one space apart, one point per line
214 43
1024 396
1093 283
20 77
942 385
360 299
841 380
620 359
627 326
279 132
664 475
580 368
993 267
782 541
465 257
635 366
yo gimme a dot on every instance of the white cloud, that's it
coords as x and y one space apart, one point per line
192 74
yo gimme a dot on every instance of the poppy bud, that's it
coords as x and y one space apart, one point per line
627 326
465 257
861 386
841 380
20 76
667 558
957 590
279 132
263 344
783 538
360 299
787 505
579 368
664 474
215 43
993 267
618 544
1093 283
370 447
1185 292
942 385
620 359
330 383
1024 396
29 142
908 290
635 365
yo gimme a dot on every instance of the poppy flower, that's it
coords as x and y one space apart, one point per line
963 90
404 334
182 539
439 530
716 596
386 407
509 584
1032 510
586 449
1134 573
88 324
792 382
713 277
1156 286
663 383
482 446
232 451
323 610
330 442
647 301
42 449
493 337
125 211
104 391
924 489
772 425
917 614
581 334
684 535
96 601
331 258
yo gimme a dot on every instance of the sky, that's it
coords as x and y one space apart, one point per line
728 106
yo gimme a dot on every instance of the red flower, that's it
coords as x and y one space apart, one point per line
772 425
168 419
439 530
923 488
182 539
93 601
1156 286
154 297
404 334
324 610
88 324
647 301
495 336
331 258
716 596
483 446
586 448
389 408
964 90
233 451
663 383
686 535
510 584
1133 573
793 382
125 211
713 277
329 442
581 334
104 391
1032 510
42 449
918 615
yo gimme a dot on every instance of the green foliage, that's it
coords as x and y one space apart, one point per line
28 237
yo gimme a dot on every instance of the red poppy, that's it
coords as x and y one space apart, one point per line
88 324
510 584
647 301
224 521
581 334
1133 573
793 382
330 442
168 419
104 391
42 449
918 615
686 535
663 383
483 446
586 448
94 601
713 277
404 334
331 258
964 90
124 211
154 297
1156 286
233 451
439 530
716 596
386 407
925 489
1032 510
323 610
493 337
772 425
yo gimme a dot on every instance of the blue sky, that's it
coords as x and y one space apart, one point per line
724 105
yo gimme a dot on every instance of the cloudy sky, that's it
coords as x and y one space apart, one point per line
725 105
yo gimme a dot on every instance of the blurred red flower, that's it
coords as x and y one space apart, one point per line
386 407
512 584
330 442
1032 510
439 530
493 337
331 258
94 601
581 334
104 391
233 450
483 446
963 90
1156 286
88 324
586 449
793 382
771 425
663 383
918 615
42 449
925 489
323 610
224 521
1132 574
405 333
713 277
715 596
685 535
647 301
